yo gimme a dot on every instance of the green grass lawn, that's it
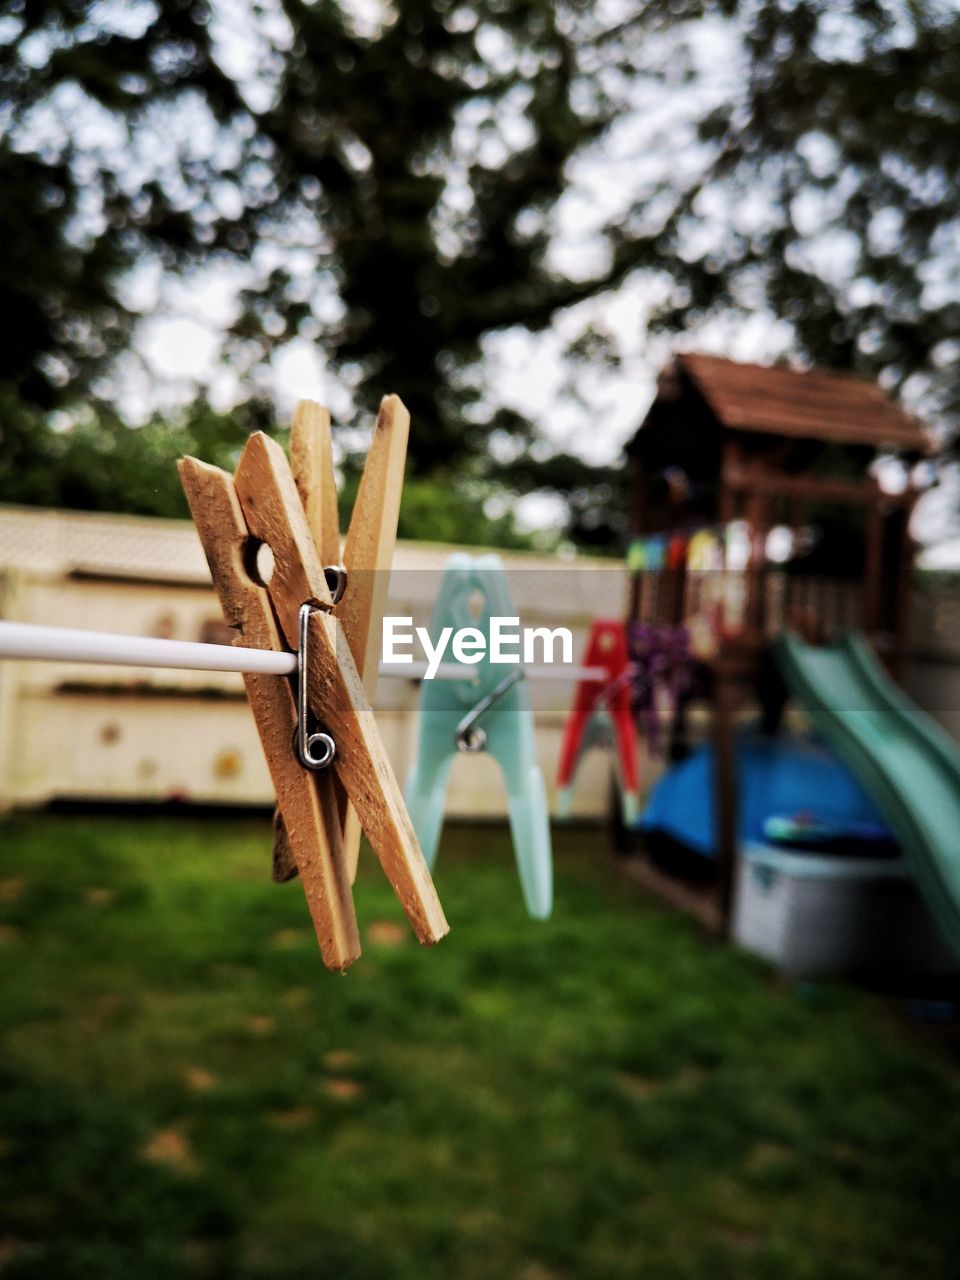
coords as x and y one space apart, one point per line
186 1092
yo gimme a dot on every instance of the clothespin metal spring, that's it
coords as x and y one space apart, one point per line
314 750
470 736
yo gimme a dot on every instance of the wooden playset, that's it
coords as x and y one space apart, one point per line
729 458
739 470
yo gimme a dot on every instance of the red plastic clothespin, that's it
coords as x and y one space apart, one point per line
601 712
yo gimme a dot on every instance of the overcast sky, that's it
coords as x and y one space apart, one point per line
178 343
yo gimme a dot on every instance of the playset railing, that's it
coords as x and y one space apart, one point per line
747 602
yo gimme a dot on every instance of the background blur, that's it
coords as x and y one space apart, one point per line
508 213
511 214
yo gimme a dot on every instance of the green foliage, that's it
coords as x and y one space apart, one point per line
597 497
833 194
186 1092
389 182
432 242
352 154
441 510
444 509
100 464
77 213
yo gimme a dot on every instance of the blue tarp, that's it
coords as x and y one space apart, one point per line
778 776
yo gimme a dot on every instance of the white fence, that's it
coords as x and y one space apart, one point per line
117 733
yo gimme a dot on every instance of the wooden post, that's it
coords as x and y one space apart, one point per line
725 791
757 520
679 593
633 604
638 500
873 565
726 498
727 506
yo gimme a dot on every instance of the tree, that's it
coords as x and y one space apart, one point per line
831 196
393 189
432 226
373 178
87 92
827 195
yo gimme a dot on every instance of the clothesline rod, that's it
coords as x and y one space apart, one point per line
461 671
67 644
35 643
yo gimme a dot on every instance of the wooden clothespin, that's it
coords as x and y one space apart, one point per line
367 554
262 505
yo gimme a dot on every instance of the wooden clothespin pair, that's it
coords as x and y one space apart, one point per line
293 511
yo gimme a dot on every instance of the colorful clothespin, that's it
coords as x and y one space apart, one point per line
601 713
489 709
704 593
636 555
676 554
662 661
705 552
326 710
656 553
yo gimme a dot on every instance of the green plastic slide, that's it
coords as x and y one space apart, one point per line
906 762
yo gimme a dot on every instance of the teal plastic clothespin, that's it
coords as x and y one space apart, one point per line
503 726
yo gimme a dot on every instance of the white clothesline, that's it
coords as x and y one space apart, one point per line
66 644
35 643
462 671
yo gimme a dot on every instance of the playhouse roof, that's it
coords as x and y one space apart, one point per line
812 404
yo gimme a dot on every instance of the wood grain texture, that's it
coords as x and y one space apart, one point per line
364 768
372 538
274 515
368 557
305 799
284 863
311 462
